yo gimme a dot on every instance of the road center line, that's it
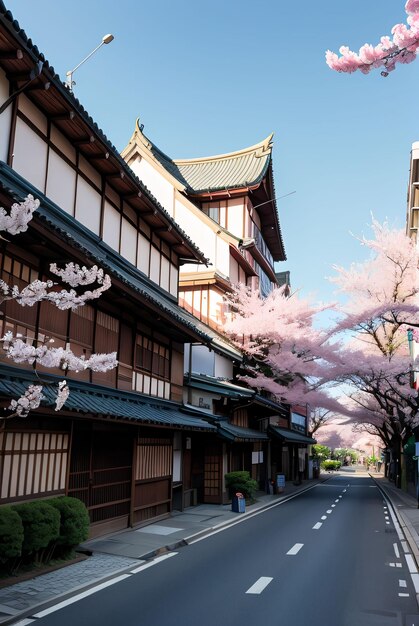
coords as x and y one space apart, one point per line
260 585
295 549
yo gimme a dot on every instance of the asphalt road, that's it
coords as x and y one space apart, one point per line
329 557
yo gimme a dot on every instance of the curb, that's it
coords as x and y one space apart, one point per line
405 526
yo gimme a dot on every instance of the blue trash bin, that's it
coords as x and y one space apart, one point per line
238 503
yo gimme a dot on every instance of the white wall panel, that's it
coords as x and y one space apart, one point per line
155 265
165 273
61 182
5 118
63 144
201 234
88 206
143 254
129 242
223 256
235 216
30 155
156 183
111 226
33 114
174 280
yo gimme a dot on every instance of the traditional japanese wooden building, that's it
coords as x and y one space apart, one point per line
123 443
227 203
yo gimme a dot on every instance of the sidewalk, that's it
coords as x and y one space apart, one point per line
120 552
406 509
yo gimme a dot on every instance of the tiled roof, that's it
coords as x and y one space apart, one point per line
235 170
101 401
290 435
216 385
237 433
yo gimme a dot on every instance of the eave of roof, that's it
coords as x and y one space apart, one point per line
99 401
218 386
239 434
290 436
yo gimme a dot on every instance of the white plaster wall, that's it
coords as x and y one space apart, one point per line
201 234
235 216
88 205
222 259
155 182
61 182
129 241
223 367
30 155
5 118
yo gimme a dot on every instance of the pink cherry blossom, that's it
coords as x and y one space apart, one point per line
401 48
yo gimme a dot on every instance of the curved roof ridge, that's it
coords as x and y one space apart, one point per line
260 149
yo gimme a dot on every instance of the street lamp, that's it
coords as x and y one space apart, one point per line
69 80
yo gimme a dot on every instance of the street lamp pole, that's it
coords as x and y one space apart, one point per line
69 80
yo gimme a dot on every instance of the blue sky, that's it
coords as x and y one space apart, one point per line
213 76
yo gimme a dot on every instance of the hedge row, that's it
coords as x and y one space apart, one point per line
331 465
42 529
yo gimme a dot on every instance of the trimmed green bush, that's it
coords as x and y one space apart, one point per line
241 482
11 534
330 465
74 527
41 525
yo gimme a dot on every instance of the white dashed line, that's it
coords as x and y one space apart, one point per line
403 595
317 526
402 583
396 550
405 546
260 585
337 500
333 506
295 549
323 517
329 511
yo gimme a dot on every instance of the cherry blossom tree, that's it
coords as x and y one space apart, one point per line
287 355
360 367
382 295
21 349
400 48
319 417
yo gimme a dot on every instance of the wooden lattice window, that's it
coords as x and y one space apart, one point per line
154 459
32 463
